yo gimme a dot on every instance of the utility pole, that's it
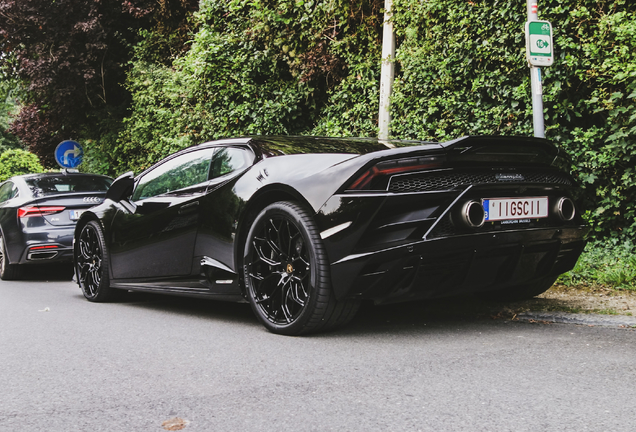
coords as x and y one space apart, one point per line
539 51
387 73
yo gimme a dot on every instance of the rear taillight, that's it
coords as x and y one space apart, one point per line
24 212
44 247
378 175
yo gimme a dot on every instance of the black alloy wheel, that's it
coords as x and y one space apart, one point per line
7 271
286 274
91 264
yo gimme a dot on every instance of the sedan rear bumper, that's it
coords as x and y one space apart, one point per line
467 263
47 244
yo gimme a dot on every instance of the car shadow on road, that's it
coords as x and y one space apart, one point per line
370 318
47 272
416 315
426 312
200 307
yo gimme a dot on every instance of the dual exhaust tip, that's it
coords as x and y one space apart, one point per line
472 214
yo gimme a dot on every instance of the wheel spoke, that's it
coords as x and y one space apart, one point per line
95 275
297 293
262 255
274 244
84 247
285 309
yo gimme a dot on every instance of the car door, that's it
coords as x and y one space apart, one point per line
154 236
215 238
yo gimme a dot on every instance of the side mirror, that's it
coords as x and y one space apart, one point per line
122 187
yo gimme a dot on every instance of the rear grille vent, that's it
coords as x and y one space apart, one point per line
436 181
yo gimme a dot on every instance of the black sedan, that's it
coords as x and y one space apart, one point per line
306 228
38 213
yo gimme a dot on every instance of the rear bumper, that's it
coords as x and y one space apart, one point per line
459 264
47 244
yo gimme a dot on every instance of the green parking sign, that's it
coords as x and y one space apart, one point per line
539 46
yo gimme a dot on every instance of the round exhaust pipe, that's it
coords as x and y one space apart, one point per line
564 208
472 214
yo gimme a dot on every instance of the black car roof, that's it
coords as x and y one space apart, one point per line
288 145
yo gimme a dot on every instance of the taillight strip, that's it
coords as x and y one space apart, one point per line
364 181
44 247
30 211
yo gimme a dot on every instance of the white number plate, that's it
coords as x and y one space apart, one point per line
75 214
515 208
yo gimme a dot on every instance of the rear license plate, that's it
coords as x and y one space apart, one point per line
75 214
515 208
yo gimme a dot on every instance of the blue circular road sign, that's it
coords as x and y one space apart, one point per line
69 154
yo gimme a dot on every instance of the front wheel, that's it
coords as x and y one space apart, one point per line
286 274
91 264
7 271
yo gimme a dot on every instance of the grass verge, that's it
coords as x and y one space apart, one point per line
610 263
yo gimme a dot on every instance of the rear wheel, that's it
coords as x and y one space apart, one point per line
91 264
7 271
521 292
286 274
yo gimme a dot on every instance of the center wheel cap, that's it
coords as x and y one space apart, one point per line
290 268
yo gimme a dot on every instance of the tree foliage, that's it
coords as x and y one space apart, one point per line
312 67
17 162
72 56
8 108
257 67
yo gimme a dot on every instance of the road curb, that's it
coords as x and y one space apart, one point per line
618 321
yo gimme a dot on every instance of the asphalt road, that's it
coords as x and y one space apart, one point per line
70 365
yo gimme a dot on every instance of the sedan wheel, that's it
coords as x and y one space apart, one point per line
287 275
7 271
91 264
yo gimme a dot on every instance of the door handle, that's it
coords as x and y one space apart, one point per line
187 208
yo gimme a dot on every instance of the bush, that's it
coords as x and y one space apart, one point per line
272 67
610 262
8 107
462 71
17 162
308 67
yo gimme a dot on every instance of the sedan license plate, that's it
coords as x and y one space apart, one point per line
75 214
515 208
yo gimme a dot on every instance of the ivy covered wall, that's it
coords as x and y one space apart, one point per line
313 67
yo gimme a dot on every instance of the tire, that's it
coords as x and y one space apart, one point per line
91 265
8 271
286 274
521 292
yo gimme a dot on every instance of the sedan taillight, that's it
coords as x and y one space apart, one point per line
24 212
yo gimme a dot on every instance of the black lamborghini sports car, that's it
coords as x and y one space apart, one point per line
306 228
38 214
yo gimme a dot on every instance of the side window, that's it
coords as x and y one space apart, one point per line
229 159
178 173
7 191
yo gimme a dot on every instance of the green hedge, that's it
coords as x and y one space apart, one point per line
309 67
17 162
257 67
462 70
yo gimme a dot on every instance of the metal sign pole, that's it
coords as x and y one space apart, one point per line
535 79
387 72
